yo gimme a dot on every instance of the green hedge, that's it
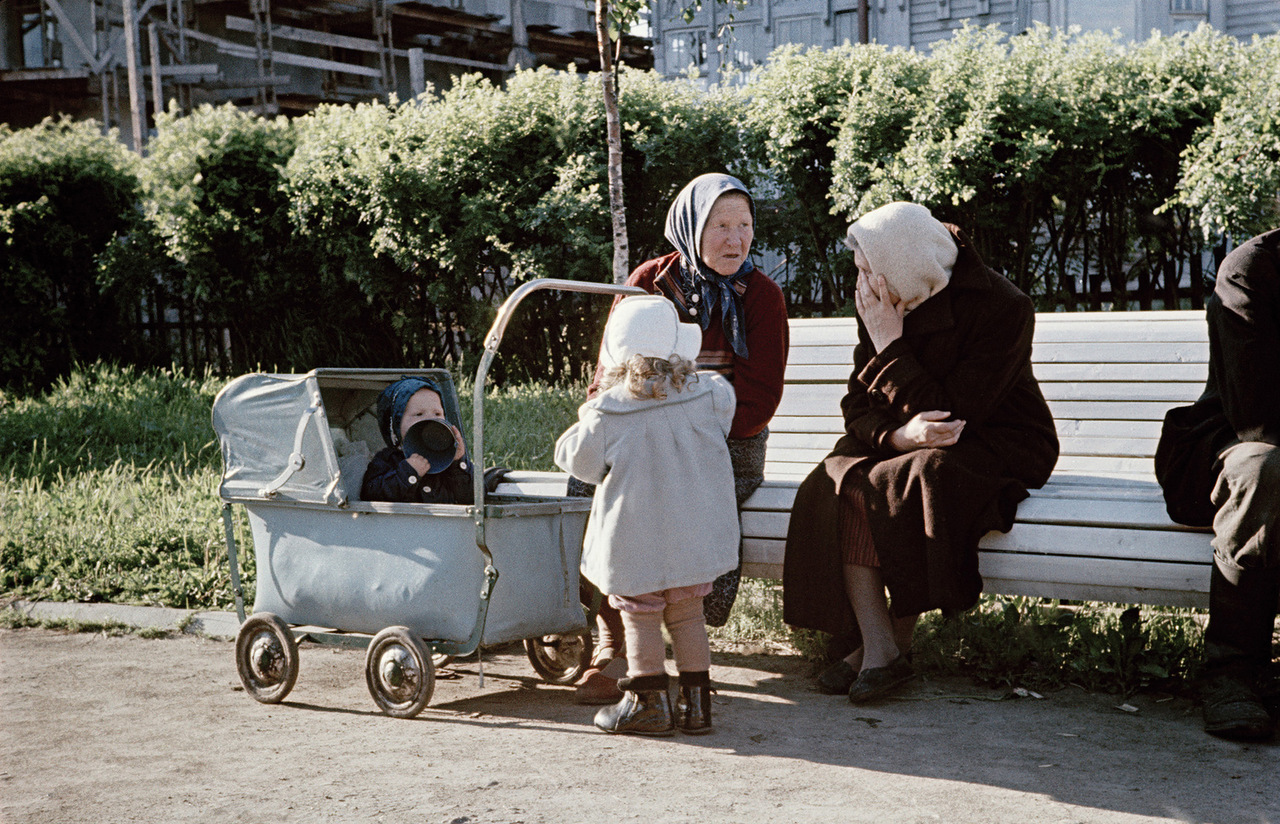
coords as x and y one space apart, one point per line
386 235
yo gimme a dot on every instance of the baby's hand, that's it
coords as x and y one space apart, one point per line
419 463
462 446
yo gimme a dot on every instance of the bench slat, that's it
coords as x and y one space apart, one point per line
1126 582
1072 524
810 448
775 494
806 423
829 353
833 425
1102 542
814 446
1107 391
1137 469
1112 352
1125 372
1109 400
1077 330
1109 410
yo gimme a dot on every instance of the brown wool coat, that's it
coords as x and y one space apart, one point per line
966 350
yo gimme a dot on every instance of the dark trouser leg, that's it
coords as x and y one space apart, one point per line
1242 609
1245 582
1243 591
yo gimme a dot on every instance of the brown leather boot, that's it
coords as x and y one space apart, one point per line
645 708
693 709
600 684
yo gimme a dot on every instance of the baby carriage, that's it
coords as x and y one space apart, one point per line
413 583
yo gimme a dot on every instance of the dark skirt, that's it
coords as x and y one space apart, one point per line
926 511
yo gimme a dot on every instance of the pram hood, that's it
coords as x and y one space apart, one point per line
283 436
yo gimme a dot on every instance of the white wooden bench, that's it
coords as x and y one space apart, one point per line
1097 531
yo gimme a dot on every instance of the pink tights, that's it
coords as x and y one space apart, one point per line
646 652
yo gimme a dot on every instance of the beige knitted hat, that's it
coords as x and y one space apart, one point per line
908 247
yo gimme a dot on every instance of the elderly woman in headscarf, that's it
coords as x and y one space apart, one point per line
945 431
710 278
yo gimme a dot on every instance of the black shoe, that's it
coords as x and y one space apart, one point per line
837 678
693 710
645 708
878 682
1233 709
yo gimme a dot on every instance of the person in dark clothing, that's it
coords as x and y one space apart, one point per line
945 431
1218 462
394 476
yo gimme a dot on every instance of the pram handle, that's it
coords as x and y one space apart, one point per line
491 342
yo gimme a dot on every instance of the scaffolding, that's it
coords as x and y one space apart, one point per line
122 61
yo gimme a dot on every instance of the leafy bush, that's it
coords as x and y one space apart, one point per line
213 182
1230 176
383 235
798 109
1053 150
68 194
440 206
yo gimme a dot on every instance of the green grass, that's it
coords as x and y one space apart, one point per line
521 423
108 492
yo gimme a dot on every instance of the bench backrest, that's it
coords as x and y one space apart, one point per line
1109 378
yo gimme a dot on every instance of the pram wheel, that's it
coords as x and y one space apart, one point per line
559 659
399 672
266 657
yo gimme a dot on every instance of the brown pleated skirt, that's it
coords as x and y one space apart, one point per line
856 546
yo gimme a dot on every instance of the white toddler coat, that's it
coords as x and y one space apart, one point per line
664 513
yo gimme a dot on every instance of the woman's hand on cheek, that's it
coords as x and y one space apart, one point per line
926 430
880 313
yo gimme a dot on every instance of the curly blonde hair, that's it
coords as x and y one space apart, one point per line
650 378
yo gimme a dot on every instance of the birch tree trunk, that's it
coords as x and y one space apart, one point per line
617 208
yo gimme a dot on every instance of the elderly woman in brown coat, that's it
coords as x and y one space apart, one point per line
945 430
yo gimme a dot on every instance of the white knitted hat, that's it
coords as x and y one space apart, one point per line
648 325
908 247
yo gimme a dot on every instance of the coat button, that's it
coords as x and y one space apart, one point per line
413 479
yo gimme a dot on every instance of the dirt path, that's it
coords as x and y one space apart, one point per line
114 729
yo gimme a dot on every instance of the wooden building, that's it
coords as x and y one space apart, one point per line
743 37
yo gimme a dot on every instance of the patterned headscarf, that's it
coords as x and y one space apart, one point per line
394 399
686 219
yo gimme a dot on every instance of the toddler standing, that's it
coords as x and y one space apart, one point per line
664 521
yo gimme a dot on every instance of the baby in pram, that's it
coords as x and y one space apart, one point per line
392 474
